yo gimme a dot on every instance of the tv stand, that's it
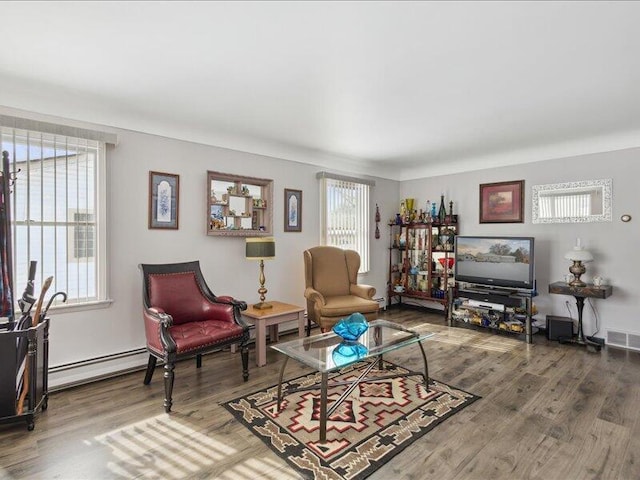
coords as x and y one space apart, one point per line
492 308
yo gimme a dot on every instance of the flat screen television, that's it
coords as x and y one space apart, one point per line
495 261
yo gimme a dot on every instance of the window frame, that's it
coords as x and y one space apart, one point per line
362 228
99 180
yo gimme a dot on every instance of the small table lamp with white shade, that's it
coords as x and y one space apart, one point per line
579 256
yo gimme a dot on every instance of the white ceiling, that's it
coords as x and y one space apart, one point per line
394 89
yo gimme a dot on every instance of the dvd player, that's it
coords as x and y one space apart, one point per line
491 306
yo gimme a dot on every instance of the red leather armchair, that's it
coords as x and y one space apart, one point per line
183 318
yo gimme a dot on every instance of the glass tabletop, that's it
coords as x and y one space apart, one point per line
327 352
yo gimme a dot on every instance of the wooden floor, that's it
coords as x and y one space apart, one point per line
548 412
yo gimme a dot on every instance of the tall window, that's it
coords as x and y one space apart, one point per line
55 211
345 218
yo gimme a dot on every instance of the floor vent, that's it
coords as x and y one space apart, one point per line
623 339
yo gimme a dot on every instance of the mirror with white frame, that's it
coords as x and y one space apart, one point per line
572 202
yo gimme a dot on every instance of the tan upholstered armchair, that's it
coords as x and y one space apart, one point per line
332 292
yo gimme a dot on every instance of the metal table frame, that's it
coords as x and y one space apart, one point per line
372 359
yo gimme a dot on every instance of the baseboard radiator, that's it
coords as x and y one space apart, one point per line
108 366
70 375
627 340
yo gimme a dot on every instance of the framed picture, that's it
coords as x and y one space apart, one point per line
292 210
164 195
502 202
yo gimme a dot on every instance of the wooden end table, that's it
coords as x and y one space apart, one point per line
271 317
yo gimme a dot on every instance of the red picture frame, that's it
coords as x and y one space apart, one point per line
502 202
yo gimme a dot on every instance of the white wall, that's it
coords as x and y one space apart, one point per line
613 244
85 335
78 336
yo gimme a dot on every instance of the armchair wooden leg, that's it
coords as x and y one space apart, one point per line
198 361
168 385
244 353
150 368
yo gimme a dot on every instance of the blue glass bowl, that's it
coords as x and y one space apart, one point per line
346 353
352 327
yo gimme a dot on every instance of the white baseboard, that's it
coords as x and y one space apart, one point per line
94 369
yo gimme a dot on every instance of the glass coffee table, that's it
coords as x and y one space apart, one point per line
328 353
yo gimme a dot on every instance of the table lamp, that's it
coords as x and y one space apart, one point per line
579 257
263 248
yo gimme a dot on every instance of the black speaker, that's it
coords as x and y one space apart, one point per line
559 327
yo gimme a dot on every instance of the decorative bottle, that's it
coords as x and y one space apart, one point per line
433 211
442 213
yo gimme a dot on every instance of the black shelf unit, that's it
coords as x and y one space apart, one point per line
505 311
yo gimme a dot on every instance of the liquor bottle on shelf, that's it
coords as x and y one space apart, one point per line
434 215
442 213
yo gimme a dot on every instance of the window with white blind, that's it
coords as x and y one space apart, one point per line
345 214
57 212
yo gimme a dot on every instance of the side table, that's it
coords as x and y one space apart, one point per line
580 293
271 317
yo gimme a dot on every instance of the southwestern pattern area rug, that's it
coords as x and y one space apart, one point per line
376 422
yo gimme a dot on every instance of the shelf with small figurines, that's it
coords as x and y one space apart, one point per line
239 205
421 261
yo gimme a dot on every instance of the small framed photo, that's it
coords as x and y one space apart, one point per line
502 202
164 195
292 210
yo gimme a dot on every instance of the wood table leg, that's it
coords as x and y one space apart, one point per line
301 325
261 343
273 332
